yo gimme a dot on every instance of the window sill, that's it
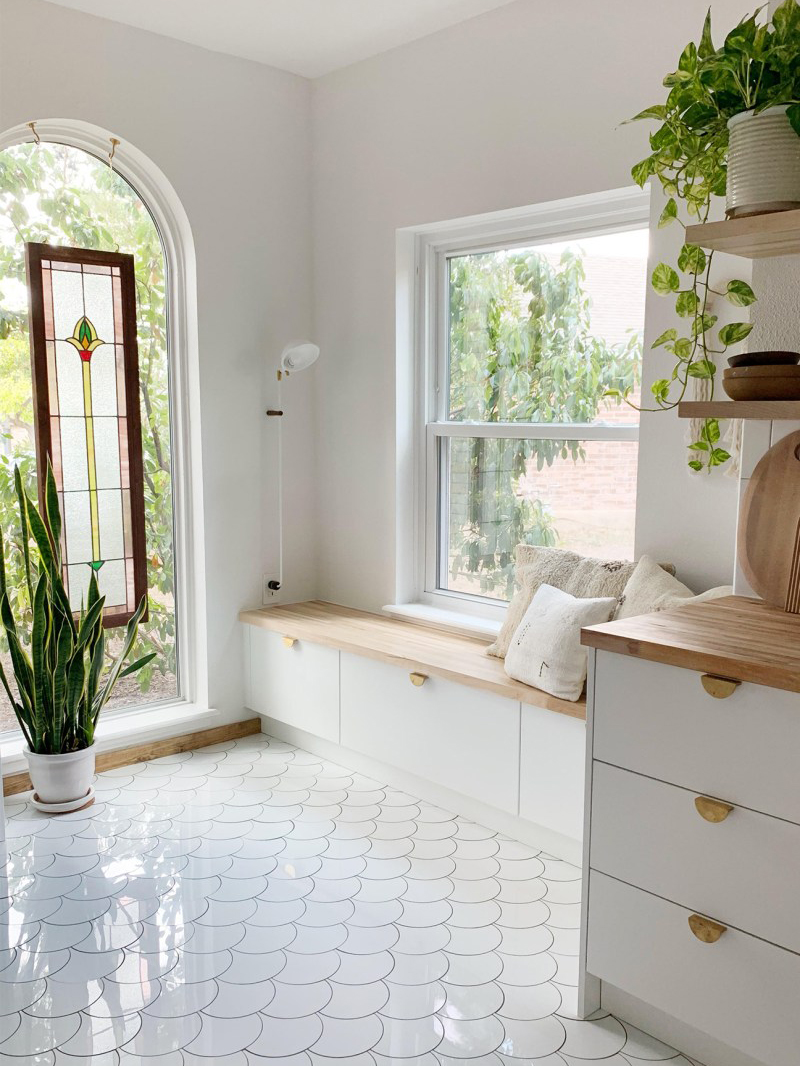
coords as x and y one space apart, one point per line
120 729
453 621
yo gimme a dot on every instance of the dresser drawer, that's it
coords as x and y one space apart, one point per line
460 737
296 684
741 990
651 834
660 721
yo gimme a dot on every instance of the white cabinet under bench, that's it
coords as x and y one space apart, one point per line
692 842
428 710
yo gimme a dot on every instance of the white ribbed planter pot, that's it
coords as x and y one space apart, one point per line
763 164
61 778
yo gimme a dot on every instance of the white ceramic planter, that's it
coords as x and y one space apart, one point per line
763 164
61 778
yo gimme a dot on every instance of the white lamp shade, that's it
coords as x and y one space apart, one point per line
299 356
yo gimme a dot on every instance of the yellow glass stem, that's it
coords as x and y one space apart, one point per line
91 460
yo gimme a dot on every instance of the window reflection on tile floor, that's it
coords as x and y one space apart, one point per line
252 903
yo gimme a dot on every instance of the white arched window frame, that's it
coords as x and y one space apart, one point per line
173 227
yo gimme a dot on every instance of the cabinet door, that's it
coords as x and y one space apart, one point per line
552 770
745 869
297 684
659 720
740 990
460 737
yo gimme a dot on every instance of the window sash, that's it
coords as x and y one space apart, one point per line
433 247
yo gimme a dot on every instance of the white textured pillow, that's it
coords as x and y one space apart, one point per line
546 649
652 589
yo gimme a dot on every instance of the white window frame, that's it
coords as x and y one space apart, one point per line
190 710
422 393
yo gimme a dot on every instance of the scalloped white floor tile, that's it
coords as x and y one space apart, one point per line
251 904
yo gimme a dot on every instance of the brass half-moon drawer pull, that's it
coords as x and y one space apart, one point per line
418 679
719 687
712 810
290 641
706 930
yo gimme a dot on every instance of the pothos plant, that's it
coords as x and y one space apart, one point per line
756 67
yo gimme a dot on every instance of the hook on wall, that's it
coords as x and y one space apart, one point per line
113 152
36 138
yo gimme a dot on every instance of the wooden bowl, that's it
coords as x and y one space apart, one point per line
781 382
764 359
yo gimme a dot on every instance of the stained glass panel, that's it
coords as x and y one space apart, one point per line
85 367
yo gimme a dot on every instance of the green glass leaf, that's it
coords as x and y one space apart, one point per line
740 294
734 332
665 280
692 259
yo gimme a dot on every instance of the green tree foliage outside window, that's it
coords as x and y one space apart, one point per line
56 194
521 350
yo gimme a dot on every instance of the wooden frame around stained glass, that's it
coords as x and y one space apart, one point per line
85 363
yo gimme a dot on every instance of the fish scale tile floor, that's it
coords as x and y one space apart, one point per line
252 904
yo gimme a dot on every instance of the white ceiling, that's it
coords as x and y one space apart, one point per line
308 37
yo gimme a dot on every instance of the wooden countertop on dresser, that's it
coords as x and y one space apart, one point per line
415 647
733 636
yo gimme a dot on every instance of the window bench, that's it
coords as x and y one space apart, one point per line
423 709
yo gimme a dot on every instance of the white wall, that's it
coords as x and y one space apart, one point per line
516 107
232 138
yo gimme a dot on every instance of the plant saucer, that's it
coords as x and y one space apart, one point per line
66 807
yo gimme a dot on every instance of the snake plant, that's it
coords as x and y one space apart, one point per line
59 664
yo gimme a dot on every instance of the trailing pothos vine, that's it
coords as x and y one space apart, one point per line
755 67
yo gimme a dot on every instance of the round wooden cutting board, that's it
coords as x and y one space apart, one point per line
768 545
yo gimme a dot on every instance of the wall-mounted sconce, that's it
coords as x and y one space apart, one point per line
297 356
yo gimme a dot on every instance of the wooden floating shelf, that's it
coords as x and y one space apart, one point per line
763 410
754 237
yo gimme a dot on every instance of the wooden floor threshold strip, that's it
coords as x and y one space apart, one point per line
156 749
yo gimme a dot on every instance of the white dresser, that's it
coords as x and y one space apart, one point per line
692 837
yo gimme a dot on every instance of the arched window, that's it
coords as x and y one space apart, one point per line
57 194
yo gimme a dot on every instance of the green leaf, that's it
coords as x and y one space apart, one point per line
641 171
702 323
734 332
22 500
695 464
706 47
669 214
660 389
53 512
665 280
701 368
683 348
687 303
692 259
793 114
663 338
718 457
700 446
39 640
657 111
135 666
711 430
740 294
